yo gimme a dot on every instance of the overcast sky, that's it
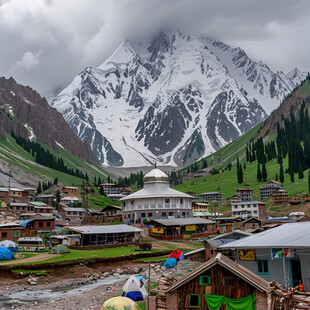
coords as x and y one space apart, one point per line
46 43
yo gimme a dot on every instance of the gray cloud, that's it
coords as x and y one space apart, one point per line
45 43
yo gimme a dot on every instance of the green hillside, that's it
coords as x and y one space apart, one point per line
226 180
26 170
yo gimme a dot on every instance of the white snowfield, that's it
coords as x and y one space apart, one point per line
174 101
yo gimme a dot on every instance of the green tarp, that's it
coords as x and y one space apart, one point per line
215 302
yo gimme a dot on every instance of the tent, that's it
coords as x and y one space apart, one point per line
134 288
179 255
11 245
59 249
6 253
119 303
170 262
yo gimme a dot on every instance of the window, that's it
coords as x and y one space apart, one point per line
171 213
150 214
164 214
16 233
48 224
142 214
40 224
204 280
4 235
167 200
263 267
181 201
194 300
183 213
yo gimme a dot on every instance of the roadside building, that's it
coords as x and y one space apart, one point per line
115 197
70 190
156 200
211 196
21 207
214 284
233 199
200 206
212 245
71 213
47 199
267 190
295 200
280 254
106 234
70 200
170 229
307 198
245 194
38 224
248 224
109 211
10 231
247 209
227 223
280 196
41 207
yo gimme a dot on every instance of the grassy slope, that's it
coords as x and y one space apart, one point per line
19 159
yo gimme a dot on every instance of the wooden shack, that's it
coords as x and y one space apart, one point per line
218 282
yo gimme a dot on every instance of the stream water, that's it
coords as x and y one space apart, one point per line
31 296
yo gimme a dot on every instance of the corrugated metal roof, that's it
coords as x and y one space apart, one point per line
183 221
240 271
210 193
291 235
104 229
7 225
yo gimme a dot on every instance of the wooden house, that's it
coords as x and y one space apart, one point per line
251 223
70 190
214 284
307 198
295 200
280 196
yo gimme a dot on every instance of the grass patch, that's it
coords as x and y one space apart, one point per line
152 259
100 202
34 272
89 254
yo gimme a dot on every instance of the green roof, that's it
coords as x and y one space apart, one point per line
38 203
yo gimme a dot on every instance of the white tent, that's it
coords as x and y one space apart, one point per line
133 284
11 245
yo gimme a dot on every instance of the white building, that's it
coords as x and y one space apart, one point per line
247 209
156 200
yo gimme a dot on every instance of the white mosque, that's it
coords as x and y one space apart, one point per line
157 200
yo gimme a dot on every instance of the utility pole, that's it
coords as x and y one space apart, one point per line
9 183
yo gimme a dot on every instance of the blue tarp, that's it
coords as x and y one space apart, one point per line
6 253
182 257
135 296
25 223
170 262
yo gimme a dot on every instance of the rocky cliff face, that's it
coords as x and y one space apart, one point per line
174 100
29 115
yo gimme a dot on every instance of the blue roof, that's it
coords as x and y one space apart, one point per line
25 223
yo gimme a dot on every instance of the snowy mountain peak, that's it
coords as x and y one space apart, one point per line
174 100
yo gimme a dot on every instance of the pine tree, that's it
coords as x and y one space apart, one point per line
101 190
292 176
300 172
281 174
264 171
58 196
55 181
39 189
277 177
244 166
309 181
240 174
238 163
259 173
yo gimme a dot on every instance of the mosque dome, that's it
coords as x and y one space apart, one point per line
156 175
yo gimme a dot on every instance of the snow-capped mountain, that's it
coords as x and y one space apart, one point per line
174 100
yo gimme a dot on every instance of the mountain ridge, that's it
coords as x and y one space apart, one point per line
173 101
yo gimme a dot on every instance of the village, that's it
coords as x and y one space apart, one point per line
183 249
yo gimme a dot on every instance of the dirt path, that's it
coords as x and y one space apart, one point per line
36 258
